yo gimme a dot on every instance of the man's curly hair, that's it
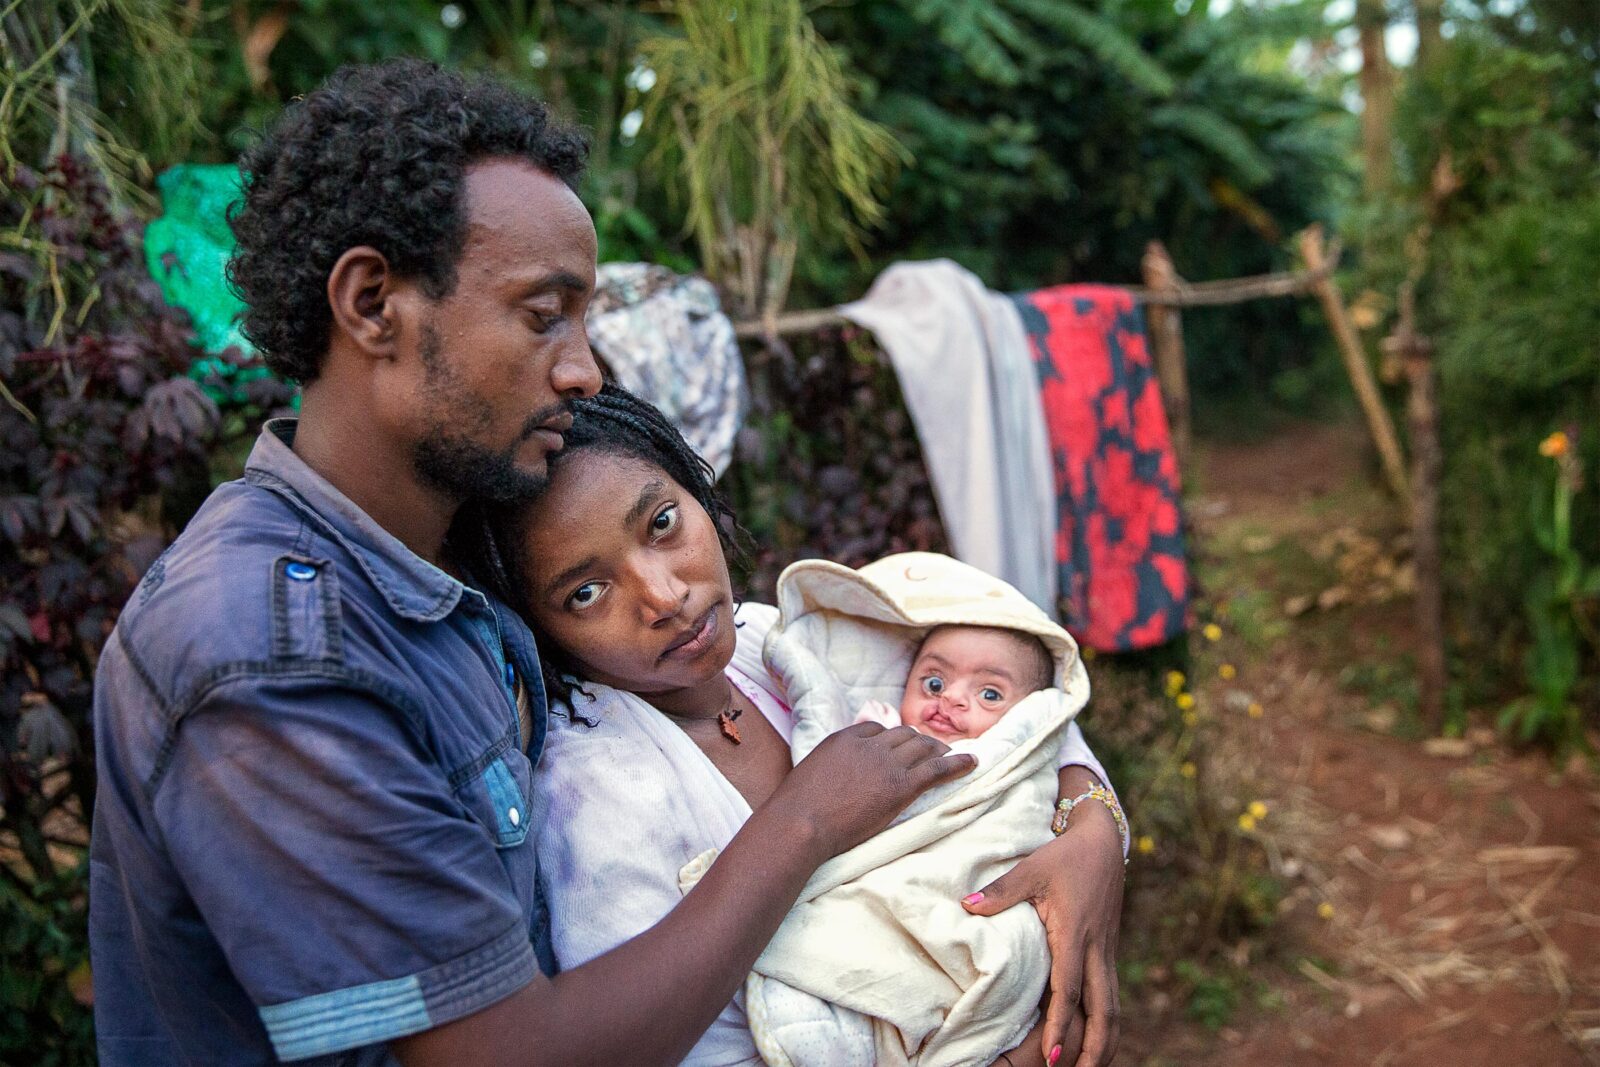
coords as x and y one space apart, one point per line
375 157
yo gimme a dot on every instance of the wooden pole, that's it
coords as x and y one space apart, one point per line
1427 465
1379 424
1166 343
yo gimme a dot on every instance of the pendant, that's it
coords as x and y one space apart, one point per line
730 729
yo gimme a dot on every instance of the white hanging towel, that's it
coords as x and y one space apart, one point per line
964 366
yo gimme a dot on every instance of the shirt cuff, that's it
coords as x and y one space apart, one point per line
375 1012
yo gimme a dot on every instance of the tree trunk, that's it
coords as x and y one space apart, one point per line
1430 22
1427 465
1377 97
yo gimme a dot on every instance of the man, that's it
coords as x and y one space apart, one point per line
314 735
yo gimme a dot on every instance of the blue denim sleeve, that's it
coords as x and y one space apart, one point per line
357 895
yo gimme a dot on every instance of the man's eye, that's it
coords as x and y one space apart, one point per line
666 520
933 685
584 595
991 694
543 321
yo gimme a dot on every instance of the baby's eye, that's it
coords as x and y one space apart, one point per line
933 685
584 595
991 694
666 520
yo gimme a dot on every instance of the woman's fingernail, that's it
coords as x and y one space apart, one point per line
976 898
1055 1054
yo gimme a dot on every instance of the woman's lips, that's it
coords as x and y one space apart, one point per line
689 645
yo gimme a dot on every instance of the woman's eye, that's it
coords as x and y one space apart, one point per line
665 521
584 595
991 694
933 685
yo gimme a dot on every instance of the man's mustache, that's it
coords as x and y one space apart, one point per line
537 420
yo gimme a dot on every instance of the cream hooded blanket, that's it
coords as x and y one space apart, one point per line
879 963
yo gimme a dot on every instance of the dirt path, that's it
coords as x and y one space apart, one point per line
1445 901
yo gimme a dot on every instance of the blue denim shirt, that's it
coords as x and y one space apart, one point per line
311 833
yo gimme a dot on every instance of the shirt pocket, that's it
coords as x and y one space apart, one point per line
498 797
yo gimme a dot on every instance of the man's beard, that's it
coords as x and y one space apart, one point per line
460 466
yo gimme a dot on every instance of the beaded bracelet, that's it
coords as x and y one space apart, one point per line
1058 825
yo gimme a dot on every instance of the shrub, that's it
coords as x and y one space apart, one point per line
103 438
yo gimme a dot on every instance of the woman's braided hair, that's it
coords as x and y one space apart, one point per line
489 540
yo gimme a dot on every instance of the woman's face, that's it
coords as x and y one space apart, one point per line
626 573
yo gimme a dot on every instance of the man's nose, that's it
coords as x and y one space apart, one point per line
576 373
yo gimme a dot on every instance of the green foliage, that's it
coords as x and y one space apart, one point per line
1065 171
1562 603
767 141
1495 202
44 973
828 464
999 39
100 433
97 79
1212 997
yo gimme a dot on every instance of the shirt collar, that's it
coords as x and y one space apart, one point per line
414 588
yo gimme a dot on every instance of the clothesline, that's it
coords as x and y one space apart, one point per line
1184 294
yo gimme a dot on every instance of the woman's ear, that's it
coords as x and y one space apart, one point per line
361 292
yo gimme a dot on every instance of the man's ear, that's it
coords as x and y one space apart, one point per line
361 295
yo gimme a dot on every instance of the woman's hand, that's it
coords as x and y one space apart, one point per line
1031 1052
857 780
1075 884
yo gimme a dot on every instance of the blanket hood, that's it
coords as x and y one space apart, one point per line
900 598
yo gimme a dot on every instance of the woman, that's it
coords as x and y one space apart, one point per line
641 603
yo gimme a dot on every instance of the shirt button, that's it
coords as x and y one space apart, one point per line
300 572
515 816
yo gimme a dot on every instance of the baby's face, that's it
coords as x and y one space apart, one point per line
965 677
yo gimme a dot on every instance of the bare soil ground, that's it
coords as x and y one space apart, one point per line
1445 900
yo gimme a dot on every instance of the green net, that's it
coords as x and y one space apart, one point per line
186 251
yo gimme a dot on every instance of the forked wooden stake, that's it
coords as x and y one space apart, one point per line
1355 364
1166 347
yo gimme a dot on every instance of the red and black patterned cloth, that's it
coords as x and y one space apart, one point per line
1119 534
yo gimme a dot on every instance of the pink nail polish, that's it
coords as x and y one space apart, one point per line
1055 1054
976 898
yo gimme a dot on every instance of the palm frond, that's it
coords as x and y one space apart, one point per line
994 37
1215 133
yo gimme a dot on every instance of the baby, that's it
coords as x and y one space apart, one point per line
881 954
963 679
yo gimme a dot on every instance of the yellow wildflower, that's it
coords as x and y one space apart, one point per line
1187 770
1088 654
1212 631
1247 822
1324 910
1190 718
1554 445
1227 671
1255 711
1257 809
1146 844
1185 701
1175 680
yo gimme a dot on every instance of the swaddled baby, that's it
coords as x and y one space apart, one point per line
878 963
963 679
